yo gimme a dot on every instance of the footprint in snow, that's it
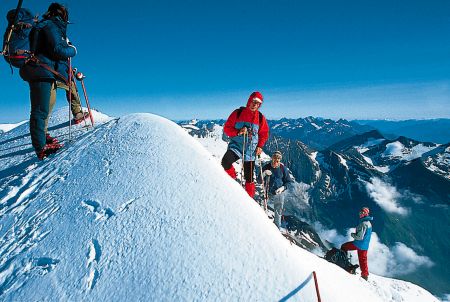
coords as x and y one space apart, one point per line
107 164
94 252
124 206
95 208
93 257
44 265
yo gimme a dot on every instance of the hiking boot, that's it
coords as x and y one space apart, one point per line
51 140
352 269
231 172
47 150
80 116
365 278
250 188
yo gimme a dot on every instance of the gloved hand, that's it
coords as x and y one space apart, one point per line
267 173
280 190
242 131
258 151
70 45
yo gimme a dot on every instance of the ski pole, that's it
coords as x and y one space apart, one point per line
317 287
243 156
80 77
263 185
74 74
70 98
266 196
282 217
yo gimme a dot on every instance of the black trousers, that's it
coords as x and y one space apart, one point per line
230 157
43 97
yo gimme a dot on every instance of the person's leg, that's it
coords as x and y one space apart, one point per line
249 167
362 257
75 100
40 95
348 246
227 163
51 105
278 202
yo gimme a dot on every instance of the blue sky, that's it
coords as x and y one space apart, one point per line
186 59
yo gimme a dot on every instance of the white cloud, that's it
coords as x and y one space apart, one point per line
407 260
332 236
385 196
417 199
393 261
383 260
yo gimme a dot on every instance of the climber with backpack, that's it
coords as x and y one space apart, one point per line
16 51
277 179
45 66
248 132
41 49
361 241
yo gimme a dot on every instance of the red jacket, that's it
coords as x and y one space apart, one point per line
258 131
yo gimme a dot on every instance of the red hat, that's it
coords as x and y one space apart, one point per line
364 212
255 96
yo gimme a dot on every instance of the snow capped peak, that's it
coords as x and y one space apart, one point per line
136 209
397 149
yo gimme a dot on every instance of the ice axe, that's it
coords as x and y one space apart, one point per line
80 77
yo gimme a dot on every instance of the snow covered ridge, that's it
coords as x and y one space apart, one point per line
9 127
438 160
398 150
386 155
137 210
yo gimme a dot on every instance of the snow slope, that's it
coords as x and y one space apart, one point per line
137 210
9 127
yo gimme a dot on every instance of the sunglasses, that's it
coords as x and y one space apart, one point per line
256 102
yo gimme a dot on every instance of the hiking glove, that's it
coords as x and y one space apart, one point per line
267 173
280 190
242 131
70 45
258 151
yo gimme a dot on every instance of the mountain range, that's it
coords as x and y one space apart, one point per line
431 130
343 166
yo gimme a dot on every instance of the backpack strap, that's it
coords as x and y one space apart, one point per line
239 111
283 169
34 59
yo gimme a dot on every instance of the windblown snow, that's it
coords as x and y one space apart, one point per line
137 210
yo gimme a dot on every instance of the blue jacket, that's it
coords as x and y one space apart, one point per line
49 45
280 177
363 233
